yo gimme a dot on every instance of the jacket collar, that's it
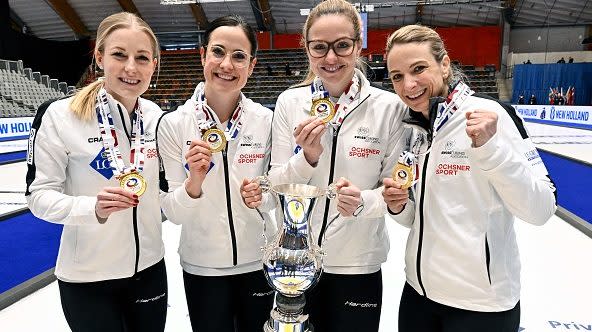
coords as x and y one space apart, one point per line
364 91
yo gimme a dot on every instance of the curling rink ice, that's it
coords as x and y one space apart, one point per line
556 264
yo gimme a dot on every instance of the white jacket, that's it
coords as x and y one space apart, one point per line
361 150
66 170
462 249
213 241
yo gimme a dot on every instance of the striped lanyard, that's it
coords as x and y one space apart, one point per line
110 142
343 105
452 103
205 115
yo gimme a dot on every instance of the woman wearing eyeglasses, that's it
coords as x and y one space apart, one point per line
348 139
208 146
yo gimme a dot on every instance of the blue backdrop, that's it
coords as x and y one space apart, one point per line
536 79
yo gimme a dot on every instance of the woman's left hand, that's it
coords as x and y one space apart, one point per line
481 126
348 197
251 193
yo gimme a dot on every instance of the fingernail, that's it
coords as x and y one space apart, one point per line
136 201
135 196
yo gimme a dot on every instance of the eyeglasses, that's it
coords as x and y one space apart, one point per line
342 47
239 59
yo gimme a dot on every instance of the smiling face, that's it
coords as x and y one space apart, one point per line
416 75
335 71
221 60
128 63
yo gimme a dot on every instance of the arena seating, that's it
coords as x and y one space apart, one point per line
180 71
22 90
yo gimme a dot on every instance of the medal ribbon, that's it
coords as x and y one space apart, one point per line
452 103
109 136
343 105
410 156
205 114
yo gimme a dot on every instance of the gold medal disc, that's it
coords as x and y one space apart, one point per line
133 182
215 139
323 109
403 175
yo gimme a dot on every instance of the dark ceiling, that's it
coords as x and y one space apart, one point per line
179 24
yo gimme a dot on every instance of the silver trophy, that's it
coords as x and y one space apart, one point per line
292 262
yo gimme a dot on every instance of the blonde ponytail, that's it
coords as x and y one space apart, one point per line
83 103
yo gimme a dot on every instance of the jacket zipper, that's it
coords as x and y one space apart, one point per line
421 222
487 259
134 209
229 206
331 174
136 237
332 171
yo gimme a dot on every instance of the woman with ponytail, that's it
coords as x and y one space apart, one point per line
93 167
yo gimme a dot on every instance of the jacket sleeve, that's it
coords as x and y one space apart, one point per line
46 177
286 167
176 204
514 168
374 205
407 216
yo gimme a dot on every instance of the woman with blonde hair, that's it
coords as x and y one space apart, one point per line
335 127
477 171
92 166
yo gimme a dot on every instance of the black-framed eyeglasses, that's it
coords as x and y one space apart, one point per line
239 59
342 47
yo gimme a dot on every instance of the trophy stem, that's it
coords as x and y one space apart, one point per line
288 315
290 306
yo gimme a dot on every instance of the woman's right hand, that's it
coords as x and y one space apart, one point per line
308 135
394 197
113 199
198 160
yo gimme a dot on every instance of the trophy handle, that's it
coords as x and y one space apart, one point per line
331 191
265 185
263 182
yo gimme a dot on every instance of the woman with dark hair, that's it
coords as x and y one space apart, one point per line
90 169
209 146
477 170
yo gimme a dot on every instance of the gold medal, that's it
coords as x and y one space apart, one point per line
323 109
133 182
403 175
215 139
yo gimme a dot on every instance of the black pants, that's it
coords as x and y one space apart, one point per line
419 314
345 302
138 303
231 303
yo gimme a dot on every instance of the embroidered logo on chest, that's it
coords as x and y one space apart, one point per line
364 135
101 165
450 152
248 141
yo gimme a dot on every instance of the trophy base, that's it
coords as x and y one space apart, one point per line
288 315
